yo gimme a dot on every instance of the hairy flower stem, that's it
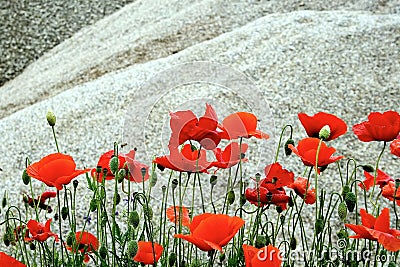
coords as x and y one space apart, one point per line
59 225
55 138
280 139
375 175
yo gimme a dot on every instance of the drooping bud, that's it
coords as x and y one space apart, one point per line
51 118
114 165
132 248
213 180
325 132
397 183
342 211
258 177
134 219
103 252
345 190
4 201
121 175
293 243
343 234
75 183
350 200
174 184
368 168
231 197
117 198
261 241
172 259
93 204
288 151
25 177
64 213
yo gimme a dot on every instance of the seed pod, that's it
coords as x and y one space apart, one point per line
114 165
174 184
93 204
64 213
345 190
350 200
213 180
325 132
342 211
25 177
75 183
121 175
51 118
134 219
368 168
288 151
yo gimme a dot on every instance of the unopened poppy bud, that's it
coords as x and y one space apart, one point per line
114 165
350 200
397 183
121 175
75 183
261 241
319 226
163 188
325 132
293 243
103 252
117 198
174 184
56 217
172 259
32 246
368 168
242 199
213 180
282 218
345 190
279 209
93 204
132 248
64 213
51 118
134 219
25 177
222 257
231 197
143 171
258 177
70 239
153 179
269 196
288 151
342 211
148 212
4 201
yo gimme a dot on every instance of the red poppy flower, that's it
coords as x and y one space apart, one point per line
379 127
55 170
146 254
395 146
186 126
186 160
40 201
21 231
270 189
300 188
86 243
382 179
377 229
173 215
8 261
313 124
127 161
212 231
39 231
389 190
240 124
267 256
230 156
307 150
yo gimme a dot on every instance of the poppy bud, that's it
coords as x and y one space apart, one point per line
174 184
117 198
261 241
343 234
172 259
242 199
290 202
114 165
121 175
4 201
325 132
148 212
163 188
342 211
143 170
132 248
279 209
282 218
51 118
75 183
103 252
93 204
70 239
368 168
258 177
288 151
397 183
134 219
32 246
25 177
231 197
213 180
222 257
293 243
319 226
8 237
153 179
99 169
64 213
345 190
350 200
56 217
